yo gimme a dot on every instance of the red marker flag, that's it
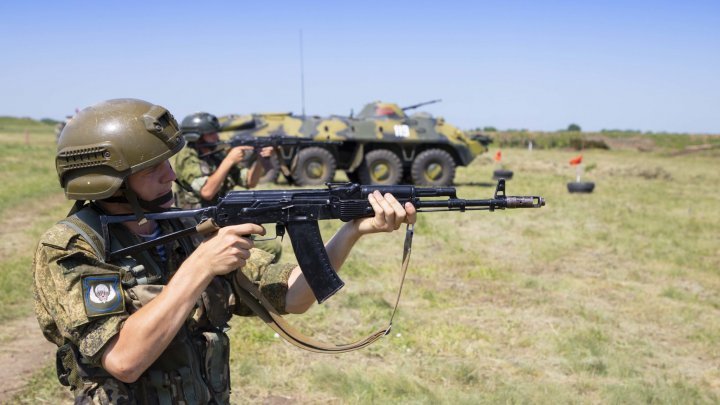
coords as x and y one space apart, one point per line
498 156
576 160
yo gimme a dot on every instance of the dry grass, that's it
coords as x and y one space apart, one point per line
607 297
612 297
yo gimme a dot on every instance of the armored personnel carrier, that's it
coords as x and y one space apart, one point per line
381 145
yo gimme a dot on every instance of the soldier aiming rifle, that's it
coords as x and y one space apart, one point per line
149 327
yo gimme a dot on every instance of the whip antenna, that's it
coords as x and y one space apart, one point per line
302 75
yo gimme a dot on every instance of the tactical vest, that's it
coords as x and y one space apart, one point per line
194 368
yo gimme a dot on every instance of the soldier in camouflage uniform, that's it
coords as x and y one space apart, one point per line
150 327
205 173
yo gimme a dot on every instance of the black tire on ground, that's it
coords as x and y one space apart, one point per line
315 166
271 175
380 166
434 168
502 174
581 187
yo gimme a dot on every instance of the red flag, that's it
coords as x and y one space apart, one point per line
576 160
498 156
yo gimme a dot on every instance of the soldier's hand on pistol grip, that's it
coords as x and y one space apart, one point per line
226 250
237 154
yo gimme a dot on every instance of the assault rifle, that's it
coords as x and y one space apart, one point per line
259 142
298 211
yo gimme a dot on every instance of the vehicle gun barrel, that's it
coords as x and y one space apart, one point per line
410 107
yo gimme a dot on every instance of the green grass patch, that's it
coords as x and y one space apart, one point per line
18 126
587 351
16 285
360 387
601 140
26 173
663 390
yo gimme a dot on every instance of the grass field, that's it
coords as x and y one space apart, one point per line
611 297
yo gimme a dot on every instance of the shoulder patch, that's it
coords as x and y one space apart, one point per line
102 295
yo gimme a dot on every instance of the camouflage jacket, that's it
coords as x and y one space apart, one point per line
81 303
192 173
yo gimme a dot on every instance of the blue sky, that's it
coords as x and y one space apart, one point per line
539 65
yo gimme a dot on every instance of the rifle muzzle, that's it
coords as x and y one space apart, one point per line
524 202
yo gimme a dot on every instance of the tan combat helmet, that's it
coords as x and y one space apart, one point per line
107 142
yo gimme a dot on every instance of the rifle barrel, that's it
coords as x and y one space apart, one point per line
454 204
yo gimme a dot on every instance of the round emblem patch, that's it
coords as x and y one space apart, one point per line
102 295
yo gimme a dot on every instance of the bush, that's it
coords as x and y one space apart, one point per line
574 128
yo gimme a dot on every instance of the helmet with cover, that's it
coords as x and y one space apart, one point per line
107 142
196 125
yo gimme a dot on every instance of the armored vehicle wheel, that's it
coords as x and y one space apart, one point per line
434 168
314 166
380 166
581 187
502 174
271 175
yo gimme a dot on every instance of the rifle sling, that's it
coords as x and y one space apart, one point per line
252 297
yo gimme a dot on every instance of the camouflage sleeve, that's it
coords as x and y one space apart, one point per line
188 169
271 279
63 268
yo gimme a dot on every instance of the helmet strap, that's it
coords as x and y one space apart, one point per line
156 204
134 204
129 197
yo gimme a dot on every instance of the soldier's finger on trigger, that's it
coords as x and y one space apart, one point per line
245 229
252 229
260 230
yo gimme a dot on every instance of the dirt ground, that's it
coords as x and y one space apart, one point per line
23 348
